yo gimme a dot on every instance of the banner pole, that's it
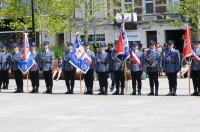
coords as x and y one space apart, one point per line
27 82
125 78
80 83
189 77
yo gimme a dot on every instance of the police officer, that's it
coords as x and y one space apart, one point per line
89 76
195 70
102 67
136 70
152 67
16 57
118 69
47 59
171 66
5 62
34 71
68 69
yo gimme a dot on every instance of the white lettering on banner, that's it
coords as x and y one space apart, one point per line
132 36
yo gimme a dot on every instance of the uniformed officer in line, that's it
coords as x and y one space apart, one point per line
15 58
171 66
46 60
110 71
136 70
118 70
34 71
102 67
5 62
89 76
152 67
68 69
195 70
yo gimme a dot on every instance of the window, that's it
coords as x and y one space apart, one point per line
172 5
149 6
128 5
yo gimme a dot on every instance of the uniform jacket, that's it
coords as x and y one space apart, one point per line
47 59
117 64
36 57
66 66
195 65
92 56
5 61
133 66
171 61
15 58
152 61
102 61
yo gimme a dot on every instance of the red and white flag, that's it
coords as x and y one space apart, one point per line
187 50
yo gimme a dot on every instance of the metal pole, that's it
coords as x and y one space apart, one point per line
33 22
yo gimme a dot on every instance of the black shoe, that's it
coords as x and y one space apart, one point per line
5 87
67 92
169 94
194 94
116 93
174 94
101 93
133 93
46 92
150 94
32 91
156 94
17 91
87 92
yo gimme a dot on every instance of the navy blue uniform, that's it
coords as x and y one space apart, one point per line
69 72
171 66
102 67
195 73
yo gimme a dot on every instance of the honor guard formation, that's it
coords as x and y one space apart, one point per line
156 61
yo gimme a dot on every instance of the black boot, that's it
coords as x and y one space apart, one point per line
91 90
139 91
36 89
47 91
87 91
101 91
50 90
33 89
195 93
170 92
151 92
134 91
156 92
116 92
174 92
122 91
106 90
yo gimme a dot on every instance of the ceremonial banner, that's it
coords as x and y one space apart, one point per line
78 56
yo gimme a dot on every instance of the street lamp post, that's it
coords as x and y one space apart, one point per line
33 22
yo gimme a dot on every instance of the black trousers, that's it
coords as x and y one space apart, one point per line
153 80
119 79
89 78
48 79
69 80
195 75
1 78
34 76
5 78
103 81
172 79
19 80
136 78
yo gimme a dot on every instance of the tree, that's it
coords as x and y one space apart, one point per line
189 9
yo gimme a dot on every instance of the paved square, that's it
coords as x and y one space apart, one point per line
82 113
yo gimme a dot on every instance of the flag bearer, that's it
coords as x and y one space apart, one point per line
195 70
68 69
5 62
16 57
102 67
118 70
152 67
136 70
47 58
89 76
34 71
171 66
